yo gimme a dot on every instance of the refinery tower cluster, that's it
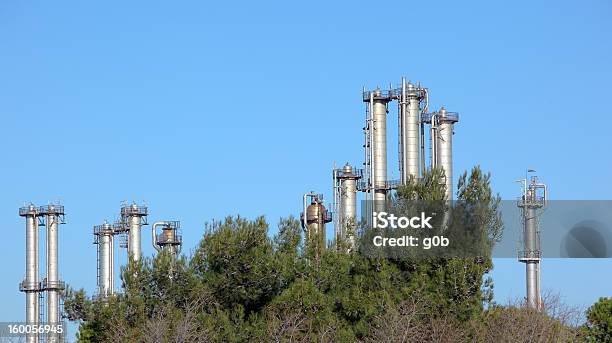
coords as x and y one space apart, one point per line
425 141
43 304
423 136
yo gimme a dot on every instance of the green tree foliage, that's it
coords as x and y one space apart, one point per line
241 285
598 327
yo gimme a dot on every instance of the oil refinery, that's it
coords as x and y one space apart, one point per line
425 141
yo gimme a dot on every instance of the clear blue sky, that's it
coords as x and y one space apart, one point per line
205 109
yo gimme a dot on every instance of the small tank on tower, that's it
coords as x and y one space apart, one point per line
314 217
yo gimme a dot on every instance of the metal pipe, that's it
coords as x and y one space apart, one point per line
545 188
371 186
337 228
434 138
365 163
422 122
402 135
37 272
112 263
304 218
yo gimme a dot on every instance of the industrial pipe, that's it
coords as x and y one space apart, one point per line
434 138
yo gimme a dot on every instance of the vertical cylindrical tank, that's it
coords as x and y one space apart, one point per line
314 218
168 235
52 269
30 284
134 246
105 259
133 217
348 204
411 132
379 156
530 245
444 147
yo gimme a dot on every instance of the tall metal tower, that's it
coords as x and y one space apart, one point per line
104 238
376 131
412 100
345 203
133 217
51 217
314 217
169 239
442 129
30 285
533 199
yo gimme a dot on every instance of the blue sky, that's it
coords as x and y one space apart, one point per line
209 109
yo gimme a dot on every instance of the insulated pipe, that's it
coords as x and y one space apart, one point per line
434 138
337 221
402 134
112 263
37 271
426 110
372 186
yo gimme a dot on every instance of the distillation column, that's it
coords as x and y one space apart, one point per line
30 284
134 217
105 241
345 192
409 117
169 239
376 147
530 202
379 116
54 216
442 145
